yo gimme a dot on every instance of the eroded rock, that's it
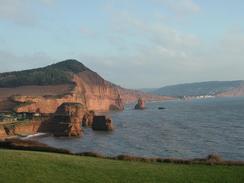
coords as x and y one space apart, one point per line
88 119
101 123
140 104
67 119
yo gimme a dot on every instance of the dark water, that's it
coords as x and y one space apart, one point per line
186 129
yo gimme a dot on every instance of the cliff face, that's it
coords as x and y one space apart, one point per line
129 96
44 89
90 90
97 93
67 120
31 127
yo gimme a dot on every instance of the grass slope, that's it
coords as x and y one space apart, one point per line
24 166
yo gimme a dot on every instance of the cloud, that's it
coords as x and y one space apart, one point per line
144 49
15 11
180 7
47 2
135 51
20 11
143 35
155 65
87 32
2 40
163 55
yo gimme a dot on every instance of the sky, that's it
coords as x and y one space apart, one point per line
133 43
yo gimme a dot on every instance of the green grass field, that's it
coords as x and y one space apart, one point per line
26 166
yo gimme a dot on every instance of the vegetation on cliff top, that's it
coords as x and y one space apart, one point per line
24 166
59 73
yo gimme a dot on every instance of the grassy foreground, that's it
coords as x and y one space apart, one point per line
27 166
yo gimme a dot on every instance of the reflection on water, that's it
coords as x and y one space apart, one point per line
186 129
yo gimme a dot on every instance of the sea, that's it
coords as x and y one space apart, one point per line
184 129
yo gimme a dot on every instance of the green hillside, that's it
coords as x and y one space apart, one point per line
59 73
197 89
24 166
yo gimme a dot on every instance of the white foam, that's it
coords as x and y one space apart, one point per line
34 135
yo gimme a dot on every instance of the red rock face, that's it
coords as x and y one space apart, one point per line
90 90
129 96
88 119
140 104
67 120
98 94
30 127
101 123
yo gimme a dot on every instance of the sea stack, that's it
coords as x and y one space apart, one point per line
102 123
87 120
140 104
67 120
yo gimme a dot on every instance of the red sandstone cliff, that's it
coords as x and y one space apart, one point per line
19 128
90 89
67 81
129 96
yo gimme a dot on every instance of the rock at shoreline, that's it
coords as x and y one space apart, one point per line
118 106
87 120
101 123
140 104
67 120
161 108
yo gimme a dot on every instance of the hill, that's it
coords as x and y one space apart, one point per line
26 166
237 91
60 73
44 89
203 88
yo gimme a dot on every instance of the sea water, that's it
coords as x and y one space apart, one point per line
185 129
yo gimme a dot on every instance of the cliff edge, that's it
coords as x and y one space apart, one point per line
44 89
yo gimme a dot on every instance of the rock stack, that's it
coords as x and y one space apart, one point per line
69 117
88 119
140 104
67 120
101 123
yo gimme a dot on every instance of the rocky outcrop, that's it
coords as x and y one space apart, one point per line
19 128
161 108
119 105
67 120
130 96
98 94
140 104
95 95
73 82
88 89
3 133
88 119
101 123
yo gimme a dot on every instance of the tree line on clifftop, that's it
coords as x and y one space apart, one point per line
60 73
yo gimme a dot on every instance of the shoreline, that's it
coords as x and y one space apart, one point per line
83 150
30 145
